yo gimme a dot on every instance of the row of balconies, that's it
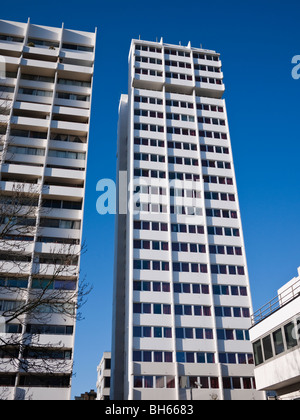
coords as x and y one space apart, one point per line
189 257
45 53
40 247
29 123
192 155
45 47
199 57
41 269
203 88
48 190
70 106
183 113
37 172
53 144
38 161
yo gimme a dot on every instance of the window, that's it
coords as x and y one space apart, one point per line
204 382
137 356
214 382
236 383
137 332
170 382
168 356
160 382
278 342
179 331
291 341
157 308
167 332
147 332
158 332
137 308
180 357
226 383
267 346
138 382
239 334
247 383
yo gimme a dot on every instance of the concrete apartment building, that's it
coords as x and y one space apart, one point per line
276 342
103 377
182 300
45 94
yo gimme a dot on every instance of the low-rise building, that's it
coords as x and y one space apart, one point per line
87 396
103 381
276 342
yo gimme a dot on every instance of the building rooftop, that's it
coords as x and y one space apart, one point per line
286 294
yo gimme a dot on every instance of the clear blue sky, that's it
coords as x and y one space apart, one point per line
257 40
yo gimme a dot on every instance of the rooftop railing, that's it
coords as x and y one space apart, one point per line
276 303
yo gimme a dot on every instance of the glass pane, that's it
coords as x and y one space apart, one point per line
170 382
138 382
278 341
148 382
160 381
258 357
267 345
290 331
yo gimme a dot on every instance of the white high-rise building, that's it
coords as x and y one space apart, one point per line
182 300
45 103
103 377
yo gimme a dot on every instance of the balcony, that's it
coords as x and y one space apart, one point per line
70 127
15 268
58 191
74 112
27 62
26 187
66 163
11 46
148 81
60 233
56 248
36 84
42 51
72 103
33 107
179 85
73 68
22 169
34 98
30 123
12 60
65 173
67 145
55 270
210 90
77 55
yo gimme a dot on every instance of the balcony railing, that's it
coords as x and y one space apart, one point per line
276 303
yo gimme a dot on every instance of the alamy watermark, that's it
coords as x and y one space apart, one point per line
142 196
296 68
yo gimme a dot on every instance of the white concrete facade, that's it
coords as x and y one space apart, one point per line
276 342
103 377
182 299
45 96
